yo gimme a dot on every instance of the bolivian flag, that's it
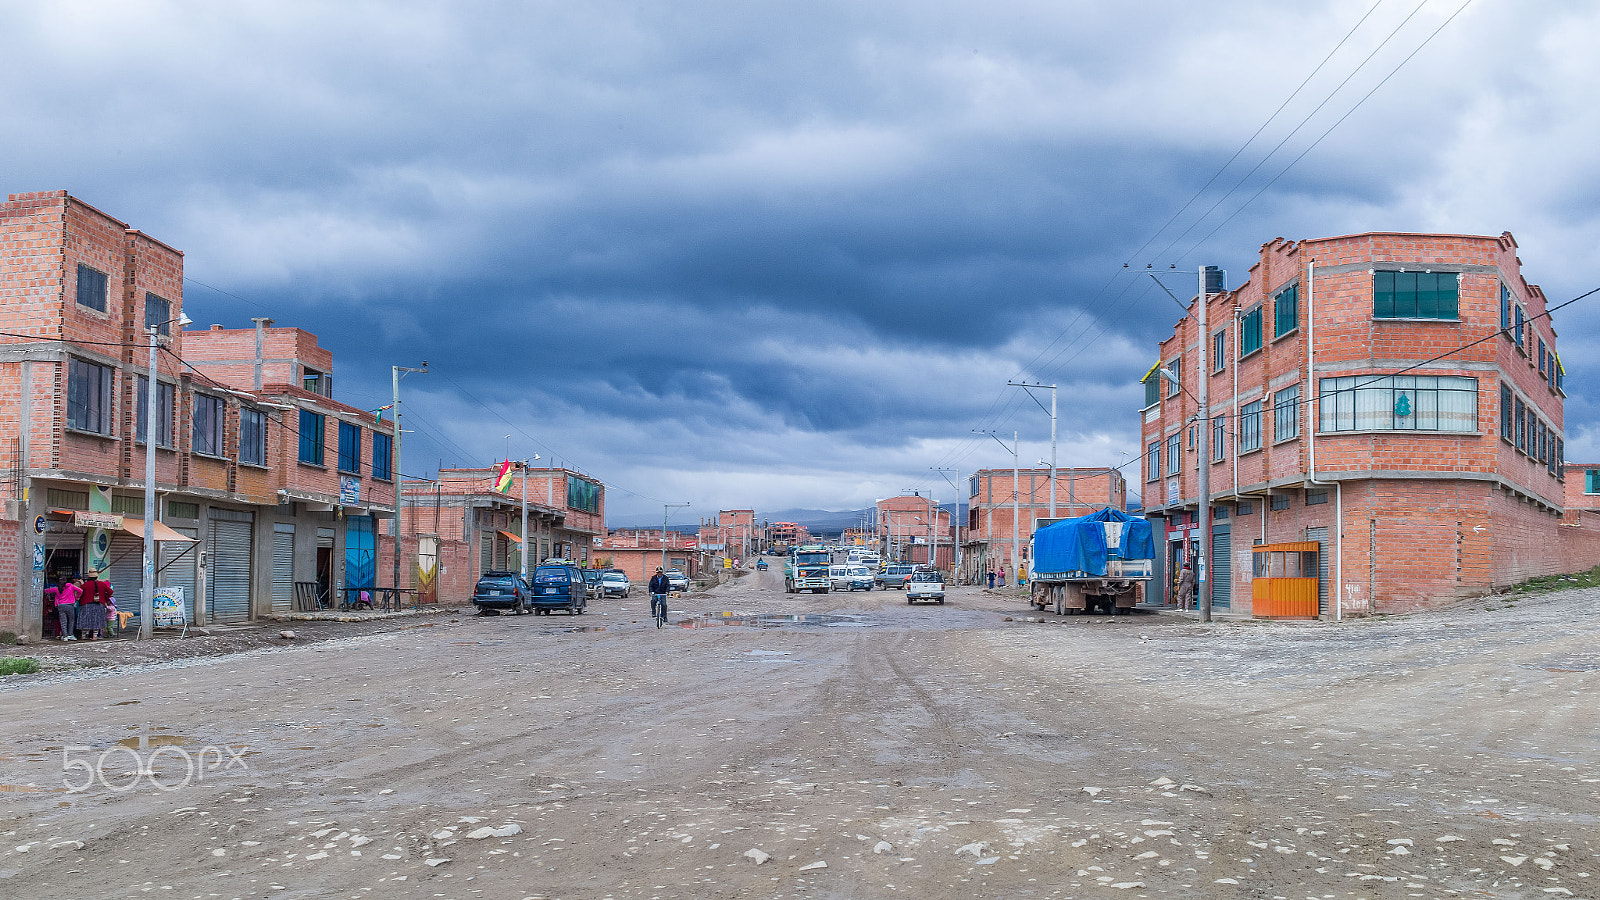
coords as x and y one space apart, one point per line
502 478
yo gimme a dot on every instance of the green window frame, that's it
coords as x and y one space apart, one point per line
1286 311
1416 295
1250 332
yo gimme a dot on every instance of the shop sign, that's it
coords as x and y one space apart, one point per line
97 520
40 525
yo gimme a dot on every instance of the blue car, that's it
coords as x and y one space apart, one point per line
559 586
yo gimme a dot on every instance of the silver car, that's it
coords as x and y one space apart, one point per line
615 584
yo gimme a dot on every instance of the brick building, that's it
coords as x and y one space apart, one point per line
638 551
909 525
988 546
1395 398
77 292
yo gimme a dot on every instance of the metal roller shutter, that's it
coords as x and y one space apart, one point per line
1221 565
127 570
228 576
1320 535
282 568
177 568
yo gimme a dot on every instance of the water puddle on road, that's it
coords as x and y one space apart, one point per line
155 740
774 620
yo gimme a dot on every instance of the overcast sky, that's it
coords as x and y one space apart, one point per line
788 254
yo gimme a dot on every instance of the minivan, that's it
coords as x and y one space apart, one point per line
559 586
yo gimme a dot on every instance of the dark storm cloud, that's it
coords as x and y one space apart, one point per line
781 254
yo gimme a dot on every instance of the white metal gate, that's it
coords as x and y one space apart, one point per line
228 575
1320 535
282 567
1221 565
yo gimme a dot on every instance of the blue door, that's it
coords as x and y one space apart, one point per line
360 553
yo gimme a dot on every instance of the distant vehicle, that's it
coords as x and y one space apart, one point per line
559 586
615 583
592 585
1104 560
925 584
849 578
894 577
678 580
497 590
761 565
871 561
861 579
807 569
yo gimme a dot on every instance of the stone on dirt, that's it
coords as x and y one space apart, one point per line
757 855
286 634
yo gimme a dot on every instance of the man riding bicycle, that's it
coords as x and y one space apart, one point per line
659 586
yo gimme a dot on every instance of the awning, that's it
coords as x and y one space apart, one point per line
163 533
511 537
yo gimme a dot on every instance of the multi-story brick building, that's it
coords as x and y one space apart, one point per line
912 528
1395 398
992 517
78 292
638 551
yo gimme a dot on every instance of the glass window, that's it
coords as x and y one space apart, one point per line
1219 351
1507 407
311 439
1561 458
349 447
1250 332
1522 425
382 454
1316 498
1175 369
1505 308
1517 328
1591 481
1414 295
1174 453
1281 501
209 413
1152 466
583 495
1245 508
1286 310
252 437
1399 402
1286 413
91 288
89 397
1152 396
1219 437
1541 357
311 380
1250 426
157 315
164 396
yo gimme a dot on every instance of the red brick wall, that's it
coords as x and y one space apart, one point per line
10 556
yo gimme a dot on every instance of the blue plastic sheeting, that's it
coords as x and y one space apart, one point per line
1079 545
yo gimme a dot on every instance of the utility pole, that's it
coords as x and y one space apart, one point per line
1052 410
397 372
523 467
1015 477
147 600
955 529
1202 580
666 510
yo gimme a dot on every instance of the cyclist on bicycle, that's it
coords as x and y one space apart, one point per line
659 586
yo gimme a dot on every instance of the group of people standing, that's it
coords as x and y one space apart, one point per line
82 606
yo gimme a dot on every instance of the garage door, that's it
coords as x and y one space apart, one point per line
228 576
1320 535
177 567
282 568
126 559
1221 565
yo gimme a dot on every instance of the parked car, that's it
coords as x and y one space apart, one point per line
894 577
615 583
497 590
861 578
559 586
925 584
679 581
591 583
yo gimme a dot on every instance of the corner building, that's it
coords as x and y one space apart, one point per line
1394 398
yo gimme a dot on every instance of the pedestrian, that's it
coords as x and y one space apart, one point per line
659 587
67 607
1002 577
991 578
1186 588
92 606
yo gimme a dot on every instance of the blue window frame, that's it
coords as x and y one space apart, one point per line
1505 308
157 314
311 439
349 447
91 288
252 437
1518 327
382 455
1415 295
1152 467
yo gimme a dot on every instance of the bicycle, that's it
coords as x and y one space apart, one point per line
658 608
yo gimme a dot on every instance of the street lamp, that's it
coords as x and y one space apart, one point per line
1052 410
147 599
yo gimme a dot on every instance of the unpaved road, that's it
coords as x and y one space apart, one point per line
940 752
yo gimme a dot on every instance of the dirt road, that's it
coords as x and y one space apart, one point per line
895 751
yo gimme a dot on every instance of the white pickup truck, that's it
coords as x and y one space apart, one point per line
925 584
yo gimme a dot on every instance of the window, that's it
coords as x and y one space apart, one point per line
1219 350
1175 370
1281 501
1507 407
1174 454
1286 311
182 509
1219 512
583 495
1250 426
1561 458
1152 464
1245 509
319 383
164 395
1414 295
91 288
310 437
1286 413
1542 371
209 416
1316 498
1522 426
1152 392
383 453
1219 438
1505 309
1399 403
252 437
1591 481
1558 375
88 397
60 498
1250 332
157 314
349 447
122 504
1517 329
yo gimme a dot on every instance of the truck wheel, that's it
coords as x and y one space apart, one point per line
909 601
941 601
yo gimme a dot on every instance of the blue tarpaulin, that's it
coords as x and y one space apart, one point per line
1080 545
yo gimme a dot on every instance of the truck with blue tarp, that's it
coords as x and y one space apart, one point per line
1099 561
